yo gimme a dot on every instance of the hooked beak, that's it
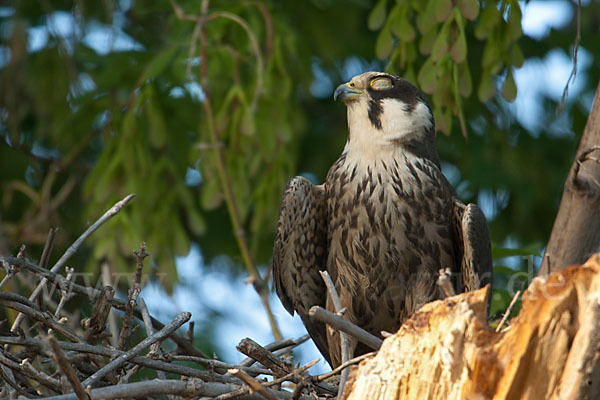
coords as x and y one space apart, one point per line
344 92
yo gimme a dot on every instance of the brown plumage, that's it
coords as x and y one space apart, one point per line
383 224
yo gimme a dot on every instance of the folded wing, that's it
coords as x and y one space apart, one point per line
476 248
299 253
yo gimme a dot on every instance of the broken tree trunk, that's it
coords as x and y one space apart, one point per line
447 350
576 233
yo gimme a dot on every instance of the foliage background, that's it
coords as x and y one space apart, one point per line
102 99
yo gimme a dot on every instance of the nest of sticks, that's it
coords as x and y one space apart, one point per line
46 353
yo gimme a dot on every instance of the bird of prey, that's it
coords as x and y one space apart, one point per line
383 224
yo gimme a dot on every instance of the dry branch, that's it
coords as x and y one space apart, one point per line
67 369
344 325
30 365
138 348
114 210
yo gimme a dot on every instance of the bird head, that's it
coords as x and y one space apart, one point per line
386 110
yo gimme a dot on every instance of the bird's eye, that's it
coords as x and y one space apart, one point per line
351 84
381 83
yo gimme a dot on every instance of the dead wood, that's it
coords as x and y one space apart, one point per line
447 350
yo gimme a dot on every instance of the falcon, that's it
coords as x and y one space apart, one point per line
383 224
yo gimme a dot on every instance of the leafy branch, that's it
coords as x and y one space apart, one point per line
221 163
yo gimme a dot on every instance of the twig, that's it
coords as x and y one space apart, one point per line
445 283
114 210
149 331
508 310
113 328
67 369
26 369
575 51
133 294
187 388
344 342
44 318
254 385
252 349
296 373
93 294
346 326
135 350
65 293
95 325
48 247
10 273
340 367
219 366
107 352
8 376
279 344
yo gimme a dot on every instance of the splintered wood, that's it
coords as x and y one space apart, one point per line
447 350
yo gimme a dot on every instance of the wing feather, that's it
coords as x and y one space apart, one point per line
300 251
474 237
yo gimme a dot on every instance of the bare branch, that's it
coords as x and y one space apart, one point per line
9 301
107 352
134 292
114 210
67 369
508 310
149 332
135 350
252 349
344 325
26 369
254 385
93 294
345 365
344 342
95 325
65 293
277 345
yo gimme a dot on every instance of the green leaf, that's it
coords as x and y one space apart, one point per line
486 88
458 51
516 56
384 44
248 124
158 64
443 9
489 18
426 41
509 88
469 9
440 47
465 85
426 77
426 19
211 195
443 120
377 16
514 22
491 54
401 26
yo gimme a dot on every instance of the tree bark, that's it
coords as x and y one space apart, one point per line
576 231
447 350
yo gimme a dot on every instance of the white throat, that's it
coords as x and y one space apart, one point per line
368 142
